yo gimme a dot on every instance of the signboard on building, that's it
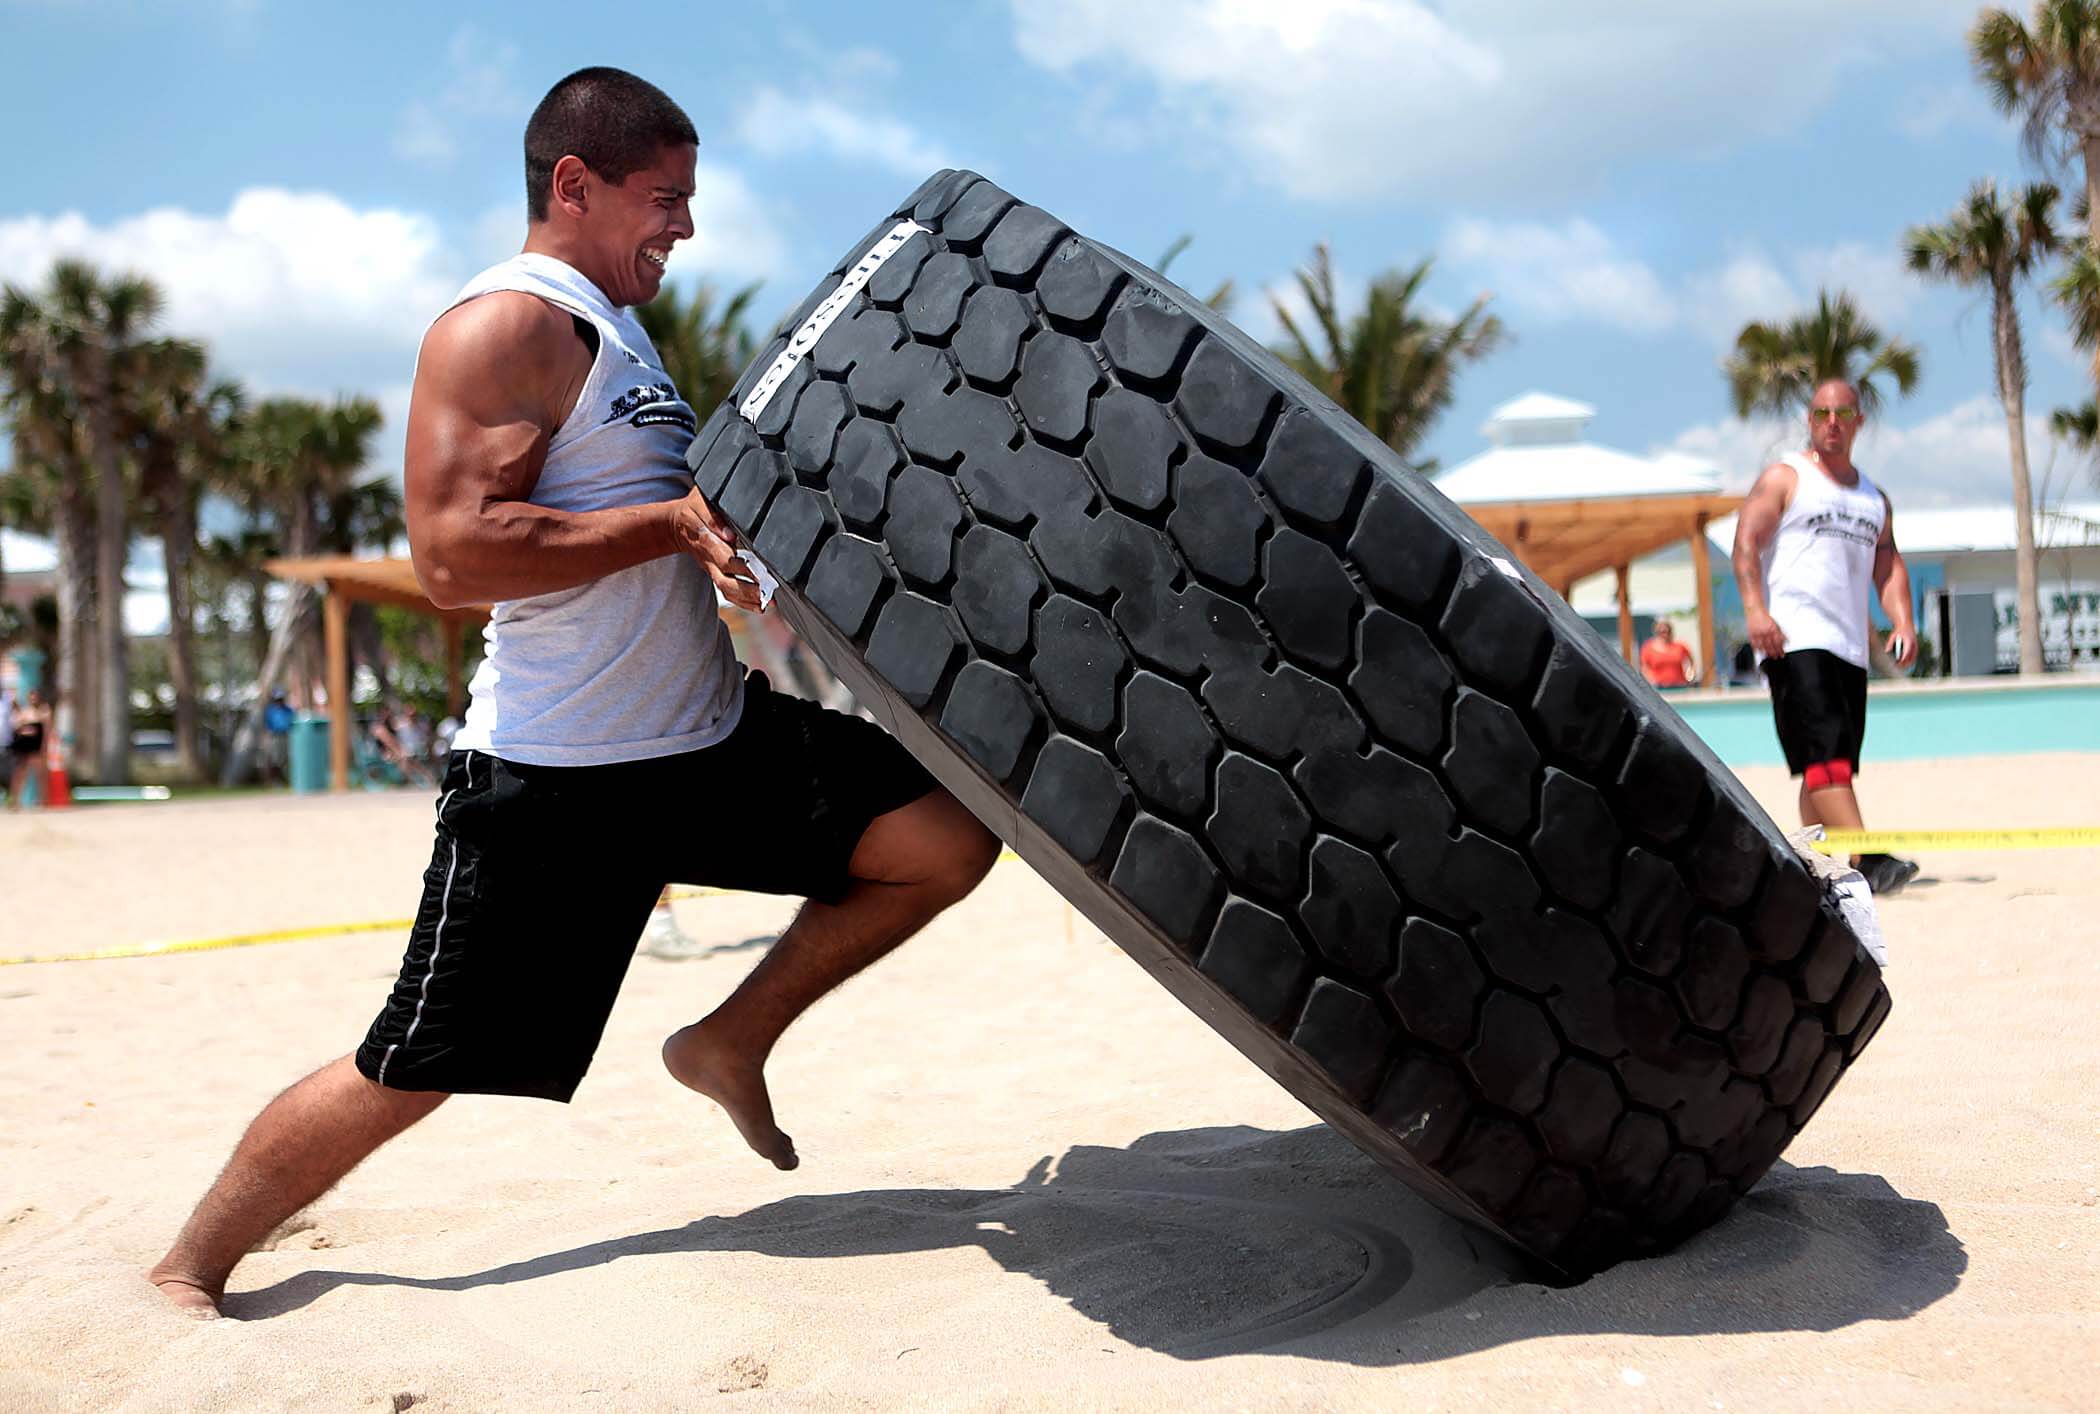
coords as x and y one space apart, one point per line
2070 626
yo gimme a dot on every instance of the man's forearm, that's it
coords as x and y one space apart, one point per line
515 550
1749 580
1895 598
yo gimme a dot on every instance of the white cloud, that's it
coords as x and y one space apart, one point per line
777 125
478 84
1256 313
288 287
302 293
1719 302
735 236
2056 340
1751 286
1926 113
1739 449
422 136
1575 273
1960 456
1562 273
1358 99
1874 274
295 293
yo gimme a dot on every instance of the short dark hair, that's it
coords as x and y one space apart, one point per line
616 123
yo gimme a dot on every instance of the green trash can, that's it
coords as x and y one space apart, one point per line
308 748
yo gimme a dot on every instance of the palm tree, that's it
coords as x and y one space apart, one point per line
2079 428
90 328
1987 242
2048 74
44 427
296 463
702 348
1391 366
178 425
1220 298
1776 368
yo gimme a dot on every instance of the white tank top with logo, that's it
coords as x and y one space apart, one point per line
1819 566
637 664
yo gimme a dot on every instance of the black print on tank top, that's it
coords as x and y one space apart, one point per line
1840 525
651 404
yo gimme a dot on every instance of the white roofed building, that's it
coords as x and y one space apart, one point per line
1967 552
1571 508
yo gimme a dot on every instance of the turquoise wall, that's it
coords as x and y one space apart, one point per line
1911 723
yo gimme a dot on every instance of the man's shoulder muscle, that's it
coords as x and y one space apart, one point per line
505 339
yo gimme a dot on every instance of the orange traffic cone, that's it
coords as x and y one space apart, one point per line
57 790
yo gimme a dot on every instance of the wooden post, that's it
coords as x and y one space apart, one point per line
1702 575
335 627
455 667
1619 573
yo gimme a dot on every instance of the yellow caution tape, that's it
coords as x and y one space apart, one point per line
1893 841
292 935
237 940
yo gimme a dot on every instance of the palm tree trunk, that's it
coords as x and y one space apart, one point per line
368 647
258 615
112 540
2089 147
240 757
2012 392
73 530
178 541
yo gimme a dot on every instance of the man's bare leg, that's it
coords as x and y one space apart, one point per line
298 1148
1833 807
909 865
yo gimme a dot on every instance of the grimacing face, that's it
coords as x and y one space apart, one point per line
632 226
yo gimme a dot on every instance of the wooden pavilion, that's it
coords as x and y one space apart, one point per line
1569 508
344 580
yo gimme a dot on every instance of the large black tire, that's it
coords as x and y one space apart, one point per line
1292 730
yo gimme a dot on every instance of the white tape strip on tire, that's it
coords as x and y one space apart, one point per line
834 305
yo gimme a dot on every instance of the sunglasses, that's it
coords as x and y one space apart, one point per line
1841 414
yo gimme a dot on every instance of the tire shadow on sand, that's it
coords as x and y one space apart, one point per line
1234 1240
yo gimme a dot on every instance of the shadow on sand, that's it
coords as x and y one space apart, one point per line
1234 1240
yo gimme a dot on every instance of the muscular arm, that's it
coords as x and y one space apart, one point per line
1755 525
1892 583
496 378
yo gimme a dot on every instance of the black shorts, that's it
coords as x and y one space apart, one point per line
1819 703
543 877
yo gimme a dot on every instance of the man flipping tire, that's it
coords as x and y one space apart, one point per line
612 745
1814 541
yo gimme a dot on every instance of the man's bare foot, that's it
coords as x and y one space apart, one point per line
189 1297
699 1062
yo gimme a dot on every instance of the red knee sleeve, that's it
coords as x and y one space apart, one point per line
1828 773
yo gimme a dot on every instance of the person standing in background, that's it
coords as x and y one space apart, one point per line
1814 544
28 743
1664 661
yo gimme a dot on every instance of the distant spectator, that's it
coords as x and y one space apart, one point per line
403 742
441 739
27 749
1742 670
277 735
413 734
7 732
1664 661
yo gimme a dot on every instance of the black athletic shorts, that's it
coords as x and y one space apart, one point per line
1819 702
543 877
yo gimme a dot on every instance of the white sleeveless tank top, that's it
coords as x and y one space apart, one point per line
1819 567
637 664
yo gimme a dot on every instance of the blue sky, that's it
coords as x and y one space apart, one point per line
311 183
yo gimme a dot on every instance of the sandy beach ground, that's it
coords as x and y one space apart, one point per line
1030 1178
